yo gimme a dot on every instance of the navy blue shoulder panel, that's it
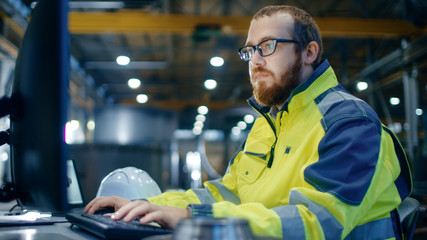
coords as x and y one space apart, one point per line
336 103
348 153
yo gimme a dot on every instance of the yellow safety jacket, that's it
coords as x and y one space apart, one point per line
323 168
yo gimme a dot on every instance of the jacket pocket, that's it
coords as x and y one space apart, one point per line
251 166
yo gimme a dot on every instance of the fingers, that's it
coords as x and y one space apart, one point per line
95 204
132 210
103 202
157 216
147 212
165 216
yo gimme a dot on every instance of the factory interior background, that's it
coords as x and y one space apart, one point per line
158 84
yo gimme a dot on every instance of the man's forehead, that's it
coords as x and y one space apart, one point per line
276 26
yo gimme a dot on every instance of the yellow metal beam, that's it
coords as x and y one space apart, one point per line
11 24
128 22
137 22
8 47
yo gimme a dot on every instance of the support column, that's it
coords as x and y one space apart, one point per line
410 91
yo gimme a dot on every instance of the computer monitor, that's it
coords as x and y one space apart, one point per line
39 110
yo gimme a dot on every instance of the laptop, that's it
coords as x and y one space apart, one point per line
25 218
74 193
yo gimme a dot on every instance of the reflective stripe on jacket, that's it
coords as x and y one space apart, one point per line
323 168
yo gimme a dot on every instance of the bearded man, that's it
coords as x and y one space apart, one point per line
317 163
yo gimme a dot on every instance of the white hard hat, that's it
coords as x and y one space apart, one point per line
130 183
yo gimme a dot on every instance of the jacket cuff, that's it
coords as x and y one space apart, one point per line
200 210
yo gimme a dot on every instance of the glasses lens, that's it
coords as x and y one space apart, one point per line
267 47
246 53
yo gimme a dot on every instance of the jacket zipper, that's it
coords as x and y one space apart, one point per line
270 160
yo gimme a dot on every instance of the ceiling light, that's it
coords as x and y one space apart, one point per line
362 86
201 118
217 61
394 101
235 131
242 125
202 110
197 130
134 83
142 98
249 118
198 124
123 60
90 125
210 84
419 111
73 125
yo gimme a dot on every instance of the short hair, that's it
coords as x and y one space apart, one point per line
305 28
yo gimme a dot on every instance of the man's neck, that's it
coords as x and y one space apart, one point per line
278 106
306 72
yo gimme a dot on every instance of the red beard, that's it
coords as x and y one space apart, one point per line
279 91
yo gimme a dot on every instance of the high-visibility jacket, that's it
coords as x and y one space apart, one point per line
323 168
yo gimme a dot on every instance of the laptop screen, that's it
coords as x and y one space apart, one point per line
74 192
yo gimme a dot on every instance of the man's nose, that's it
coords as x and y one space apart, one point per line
257 59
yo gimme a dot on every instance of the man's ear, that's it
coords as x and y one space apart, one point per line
311 52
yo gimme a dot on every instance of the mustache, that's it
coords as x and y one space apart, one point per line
261 70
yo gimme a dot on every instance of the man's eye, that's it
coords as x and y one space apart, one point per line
270 46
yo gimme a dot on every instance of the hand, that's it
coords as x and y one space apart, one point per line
146 212
102 202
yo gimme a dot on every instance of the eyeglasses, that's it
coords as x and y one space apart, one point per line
265 48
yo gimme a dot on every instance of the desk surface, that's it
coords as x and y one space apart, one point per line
59 231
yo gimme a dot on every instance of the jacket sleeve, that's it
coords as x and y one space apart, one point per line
224 189
352 190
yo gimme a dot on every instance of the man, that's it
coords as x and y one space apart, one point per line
317 164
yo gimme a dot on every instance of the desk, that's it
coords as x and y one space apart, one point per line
57 231
61 231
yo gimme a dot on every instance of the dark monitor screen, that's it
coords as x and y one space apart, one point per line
39 110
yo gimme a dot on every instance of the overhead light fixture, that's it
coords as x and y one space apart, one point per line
134 83
217 61
90 125
235 130
249 118
203 110
142 98
394 101
210 84
197 130
242 125
362 86
200 118
198 124
123 60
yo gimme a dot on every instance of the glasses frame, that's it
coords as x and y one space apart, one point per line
257 48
